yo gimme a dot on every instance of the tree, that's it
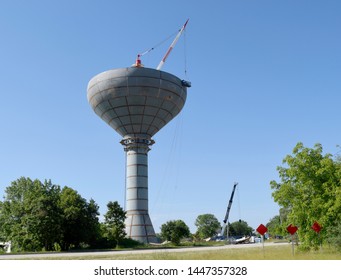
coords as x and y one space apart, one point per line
80 221
174 231
274 226
207 225
240 228
114 222
310 189
29 216
36 216
334 236
278 224
48 214
92 224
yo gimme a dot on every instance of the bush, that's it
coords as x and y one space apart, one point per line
334 237
130 243
174 231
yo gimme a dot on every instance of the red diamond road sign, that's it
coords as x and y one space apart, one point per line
292 229
262 229
317 227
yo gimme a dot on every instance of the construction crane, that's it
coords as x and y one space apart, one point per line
228 213
172 46
138 62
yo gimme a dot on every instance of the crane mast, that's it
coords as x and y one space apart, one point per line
138 62
171 46
228 212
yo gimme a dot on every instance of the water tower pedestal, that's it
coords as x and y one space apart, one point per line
138 223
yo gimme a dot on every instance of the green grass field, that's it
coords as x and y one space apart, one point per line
283 252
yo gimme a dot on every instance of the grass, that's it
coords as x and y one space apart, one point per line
282 252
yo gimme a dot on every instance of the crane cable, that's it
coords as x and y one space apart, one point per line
238 205
170 168
185 52
138 60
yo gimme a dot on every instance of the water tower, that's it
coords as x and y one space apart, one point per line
137 102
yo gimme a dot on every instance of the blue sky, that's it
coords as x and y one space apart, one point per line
265 75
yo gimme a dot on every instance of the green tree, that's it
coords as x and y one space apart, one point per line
240 228
93 233
47 214
36 216
29 216
310 189
207 225
80 219
114 222
274 226
174 231
334 236
278 224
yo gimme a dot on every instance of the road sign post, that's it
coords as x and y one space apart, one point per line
317 228
262 229
292 230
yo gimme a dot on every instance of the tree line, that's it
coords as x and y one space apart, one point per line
38 216
207 225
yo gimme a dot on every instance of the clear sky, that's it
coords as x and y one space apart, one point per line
265 75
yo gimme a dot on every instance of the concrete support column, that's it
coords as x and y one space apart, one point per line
138 223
